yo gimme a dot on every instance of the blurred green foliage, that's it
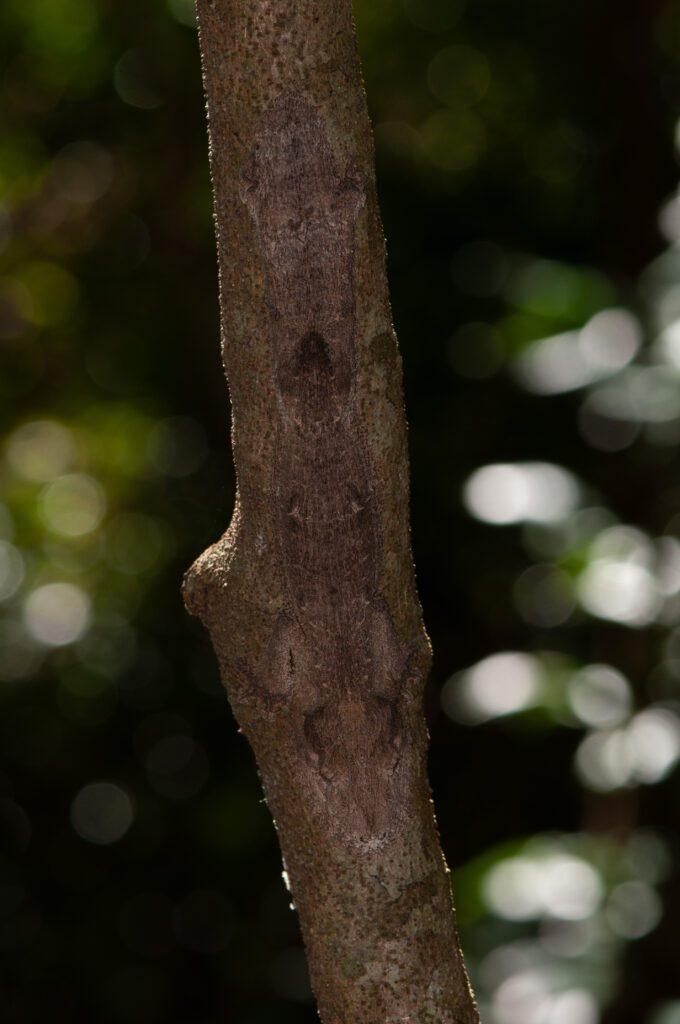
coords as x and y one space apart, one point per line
526 166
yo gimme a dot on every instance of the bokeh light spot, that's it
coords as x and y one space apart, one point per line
633 909
82 172
102 812
501 684
553 885
603 761
654 738
134 543
454 140
507 493
57 614
619 591
73 504
183 11
566 362
41 450
131 80
459 76
600 696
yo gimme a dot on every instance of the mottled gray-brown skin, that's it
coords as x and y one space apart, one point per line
309 597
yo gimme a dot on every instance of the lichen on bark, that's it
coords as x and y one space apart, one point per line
310 597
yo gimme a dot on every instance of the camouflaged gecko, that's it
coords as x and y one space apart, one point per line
333 656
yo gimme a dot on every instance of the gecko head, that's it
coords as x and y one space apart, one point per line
354 747
290 151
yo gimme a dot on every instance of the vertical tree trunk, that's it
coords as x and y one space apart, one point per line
309 597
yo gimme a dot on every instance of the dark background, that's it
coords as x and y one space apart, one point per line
526 169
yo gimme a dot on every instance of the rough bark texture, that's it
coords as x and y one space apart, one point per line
309 597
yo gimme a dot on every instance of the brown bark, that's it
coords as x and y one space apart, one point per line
310 597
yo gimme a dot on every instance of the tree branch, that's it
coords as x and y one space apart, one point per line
310 597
